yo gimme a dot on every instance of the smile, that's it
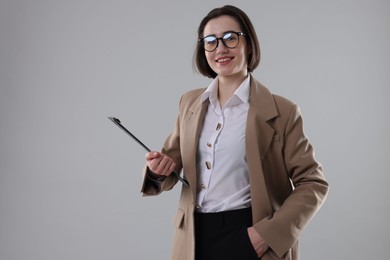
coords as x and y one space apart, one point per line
224 59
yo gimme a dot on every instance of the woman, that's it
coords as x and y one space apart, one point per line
253 180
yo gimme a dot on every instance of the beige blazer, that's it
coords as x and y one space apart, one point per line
287 183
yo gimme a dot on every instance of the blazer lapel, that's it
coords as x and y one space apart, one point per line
193 125
262 108
259 135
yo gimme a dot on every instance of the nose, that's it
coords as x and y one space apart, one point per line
221 48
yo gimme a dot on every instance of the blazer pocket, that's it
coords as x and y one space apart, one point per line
179 218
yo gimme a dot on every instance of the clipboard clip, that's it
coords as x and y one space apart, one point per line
117 122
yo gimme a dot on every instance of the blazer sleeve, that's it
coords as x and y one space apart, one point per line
171 148
283 229
152 187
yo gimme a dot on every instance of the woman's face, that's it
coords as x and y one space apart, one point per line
224 61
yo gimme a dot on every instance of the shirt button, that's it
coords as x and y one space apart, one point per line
218 126
209 145
208 165
203 187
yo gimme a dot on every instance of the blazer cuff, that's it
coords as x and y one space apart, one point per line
151 186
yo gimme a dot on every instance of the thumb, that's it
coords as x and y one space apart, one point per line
152 155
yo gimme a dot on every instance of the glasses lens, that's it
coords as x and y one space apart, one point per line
230 39
210 43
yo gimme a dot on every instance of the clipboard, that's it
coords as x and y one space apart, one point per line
117 122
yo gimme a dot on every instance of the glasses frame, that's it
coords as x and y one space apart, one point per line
201 40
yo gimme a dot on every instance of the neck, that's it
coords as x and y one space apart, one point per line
227 86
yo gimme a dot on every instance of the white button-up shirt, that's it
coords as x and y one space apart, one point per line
223 179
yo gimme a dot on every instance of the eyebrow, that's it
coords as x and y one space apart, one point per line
230 31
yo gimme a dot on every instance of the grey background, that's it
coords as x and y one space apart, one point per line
70 179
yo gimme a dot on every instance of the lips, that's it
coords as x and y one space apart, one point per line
223 59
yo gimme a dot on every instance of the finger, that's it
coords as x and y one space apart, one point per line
167 167
154 165
152 161
152 155
164 165
172 168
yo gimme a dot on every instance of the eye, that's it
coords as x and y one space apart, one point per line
229 37
210 40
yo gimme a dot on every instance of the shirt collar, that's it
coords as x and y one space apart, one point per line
241 94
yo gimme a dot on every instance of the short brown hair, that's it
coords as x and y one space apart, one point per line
200 62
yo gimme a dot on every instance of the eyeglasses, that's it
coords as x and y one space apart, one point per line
229 39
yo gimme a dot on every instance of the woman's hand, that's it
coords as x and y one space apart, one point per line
159 164
257 241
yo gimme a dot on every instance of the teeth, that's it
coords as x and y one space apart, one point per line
223 60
